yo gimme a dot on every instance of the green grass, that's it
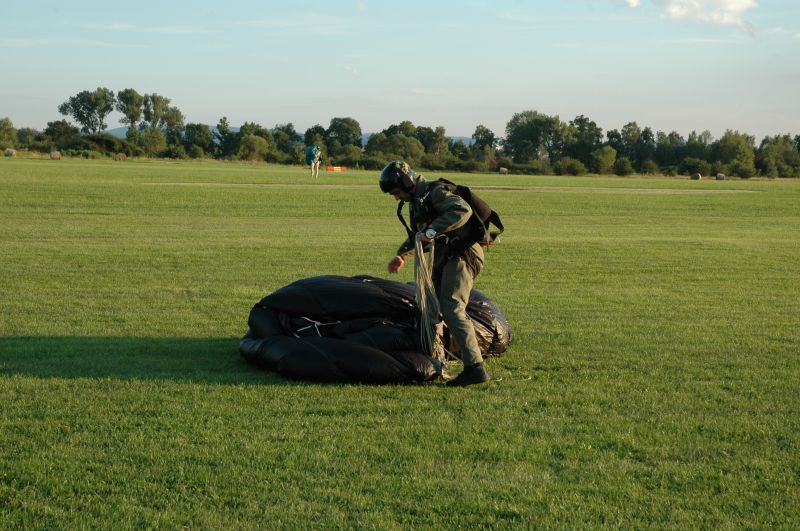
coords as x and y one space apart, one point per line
653 380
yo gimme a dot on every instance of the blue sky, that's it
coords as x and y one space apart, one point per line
669 64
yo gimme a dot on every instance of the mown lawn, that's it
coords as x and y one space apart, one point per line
654 378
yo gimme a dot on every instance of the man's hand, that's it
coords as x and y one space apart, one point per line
427 236
396 264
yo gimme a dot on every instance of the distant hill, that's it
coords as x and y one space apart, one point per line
118 132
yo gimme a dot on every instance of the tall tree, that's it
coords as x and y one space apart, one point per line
286 138
697 145
614 139
482 137
8 135
777 156
155 107
460 150
60 131
227 140
290 132
314 135
434 141
529 133
631 134
199 135
130 103
404 128
27 136
734 154
172 125
346 130
89 109
645 148
668 148
395 147
584 138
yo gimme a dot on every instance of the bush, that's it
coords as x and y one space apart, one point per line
603 159
534 168
650 167
84 153
41 146
175 152
252 147
505 162
623 167
274 156
691 165
569 166
100 142
152 142
195 152
350 155
743 169
432 162
374 162
466 166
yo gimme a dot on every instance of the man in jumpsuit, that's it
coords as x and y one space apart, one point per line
435 211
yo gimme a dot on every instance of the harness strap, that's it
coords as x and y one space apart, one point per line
403 220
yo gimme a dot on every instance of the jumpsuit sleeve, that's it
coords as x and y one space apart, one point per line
453 212
406 249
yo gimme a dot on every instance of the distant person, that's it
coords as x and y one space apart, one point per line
435 210
313 158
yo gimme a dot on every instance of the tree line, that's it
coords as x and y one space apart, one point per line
534 143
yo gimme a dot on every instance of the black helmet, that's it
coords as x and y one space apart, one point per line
397 174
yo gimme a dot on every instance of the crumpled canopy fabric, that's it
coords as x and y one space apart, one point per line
359 329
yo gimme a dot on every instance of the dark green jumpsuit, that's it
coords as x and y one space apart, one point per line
434 206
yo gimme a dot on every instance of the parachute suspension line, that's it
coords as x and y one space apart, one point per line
427 302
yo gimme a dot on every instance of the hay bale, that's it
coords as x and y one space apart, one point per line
55 155
696 177
503 171
10 152
120 156
720 176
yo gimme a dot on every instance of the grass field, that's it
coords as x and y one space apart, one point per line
654 378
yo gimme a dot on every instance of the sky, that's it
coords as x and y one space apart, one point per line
672 65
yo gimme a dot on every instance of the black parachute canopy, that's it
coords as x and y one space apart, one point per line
362 329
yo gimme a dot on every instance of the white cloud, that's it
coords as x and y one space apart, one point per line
723 12
361 6
351 69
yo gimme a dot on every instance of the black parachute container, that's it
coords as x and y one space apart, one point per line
360 329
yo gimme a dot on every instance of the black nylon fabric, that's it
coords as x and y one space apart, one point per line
361 329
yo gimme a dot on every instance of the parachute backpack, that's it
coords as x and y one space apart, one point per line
311 154
483 217
477 229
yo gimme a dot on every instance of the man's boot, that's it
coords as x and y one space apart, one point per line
472 374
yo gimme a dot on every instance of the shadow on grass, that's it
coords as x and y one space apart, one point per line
214 360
